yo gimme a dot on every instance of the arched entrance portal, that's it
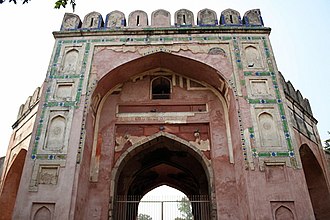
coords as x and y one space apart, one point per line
164 159
316 183
11 184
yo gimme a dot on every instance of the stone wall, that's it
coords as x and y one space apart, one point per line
225 111
300 111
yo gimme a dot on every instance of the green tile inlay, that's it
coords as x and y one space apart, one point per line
262 101
264 154
281 107
226 38
288 141
249 73
285 126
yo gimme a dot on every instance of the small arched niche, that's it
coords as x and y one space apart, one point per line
161 88
268 130
283 213
42 214
56 133
70 62
253 58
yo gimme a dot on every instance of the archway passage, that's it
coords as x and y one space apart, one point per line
316 183
165 202
10 187
158 162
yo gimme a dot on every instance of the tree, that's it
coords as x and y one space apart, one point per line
327 144
184 207
144 217
58 3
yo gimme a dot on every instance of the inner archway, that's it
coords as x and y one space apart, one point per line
162 161
316 183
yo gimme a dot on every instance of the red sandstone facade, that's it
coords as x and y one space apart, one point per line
202 108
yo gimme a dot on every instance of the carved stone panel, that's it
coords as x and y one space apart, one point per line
259 87
161 18
70 22
207 17
253 18
275 173
138 19
115 19
184 17
64 91
48 175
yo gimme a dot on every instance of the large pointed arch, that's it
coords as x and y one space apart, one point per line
160 159
316 183
97 157
10 186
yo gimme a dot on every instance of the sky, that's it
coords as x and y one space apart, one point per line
300 41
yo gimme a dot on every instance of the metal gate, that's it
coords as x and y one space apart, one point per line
197 207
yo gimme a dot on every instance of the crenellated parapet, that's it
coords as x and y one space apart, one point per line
29 104
300 110
162 18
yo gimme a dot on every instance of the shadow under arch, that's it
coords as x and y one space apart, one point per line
200 70
160 159
10 187
316 183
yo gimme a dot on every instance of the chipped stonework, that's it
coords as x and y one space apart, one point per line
121 141
146 50
202 145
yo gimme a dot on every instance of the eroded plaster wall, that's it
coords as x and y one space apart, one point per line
97 105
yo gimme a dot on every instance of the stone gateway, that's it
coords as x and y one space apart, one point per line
197 104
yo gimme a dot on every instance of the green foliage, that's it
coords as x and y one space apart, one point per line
63 3
144 217
58 3
15 1
184 207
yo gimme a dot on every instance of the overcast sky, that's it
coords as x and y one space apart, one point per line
300 40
